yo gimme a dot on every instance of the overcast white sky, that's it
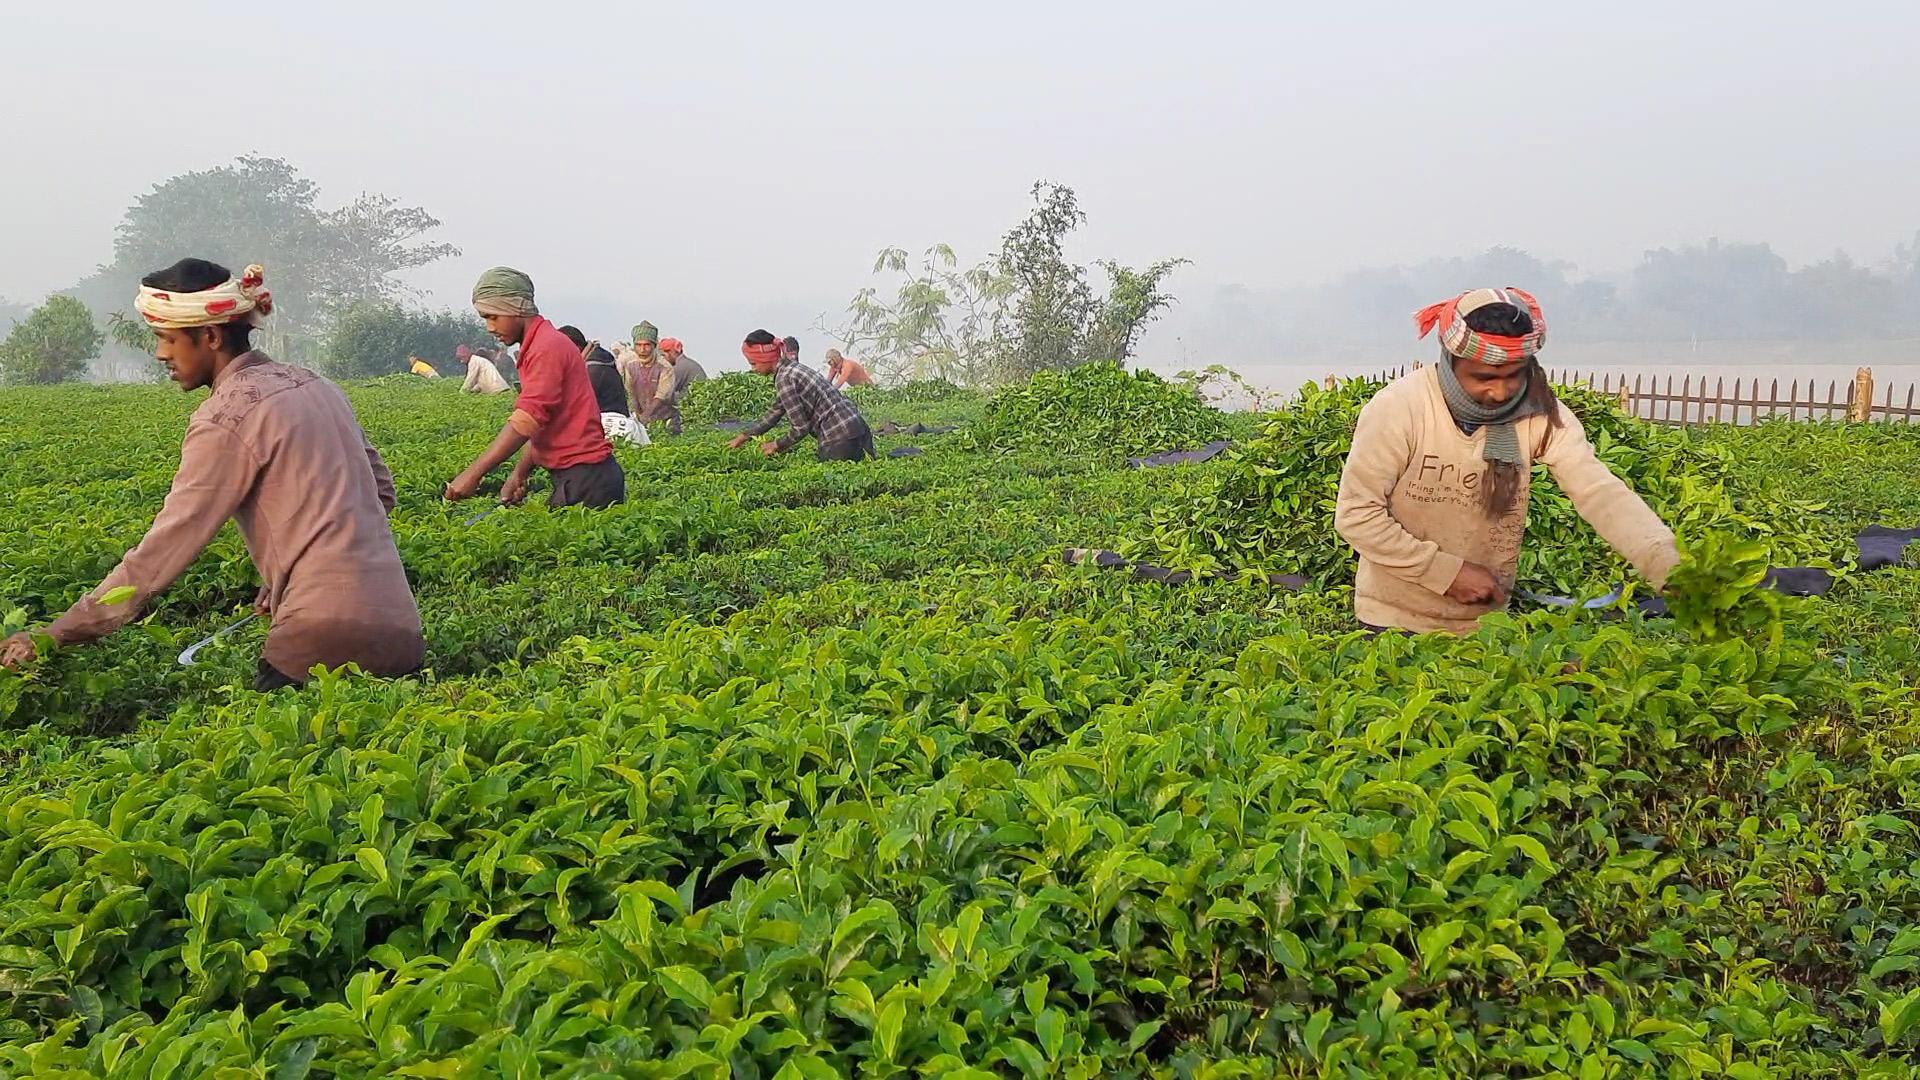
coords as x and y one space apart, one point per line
743 161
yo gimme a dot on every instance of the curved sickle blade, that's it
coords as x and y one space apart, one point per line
187 656
1596 603
1608 600
479 515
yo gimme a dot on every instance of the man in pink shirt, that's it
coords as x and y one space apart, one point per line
276 449
556 416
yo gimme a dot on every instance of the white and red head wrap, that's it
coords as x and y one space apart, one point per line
1461 340
244 298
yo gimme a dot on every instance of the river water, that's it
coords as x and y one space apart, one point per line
1714 369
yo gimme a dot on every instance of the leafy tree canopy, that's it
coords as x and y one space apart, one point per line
53 344
320 261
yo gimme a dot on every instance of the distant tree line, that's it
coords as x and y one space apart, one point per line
1711 291
340 303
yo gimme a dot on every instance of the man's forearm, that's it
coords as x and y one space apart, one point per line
765 424
505 445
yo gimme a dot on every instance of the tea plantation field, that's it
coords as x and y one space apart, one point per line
792 770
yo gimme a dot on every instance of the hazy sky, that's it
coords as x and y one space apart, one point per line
737 164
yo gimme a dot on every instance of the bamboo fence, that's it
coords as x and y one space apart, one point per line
1687 399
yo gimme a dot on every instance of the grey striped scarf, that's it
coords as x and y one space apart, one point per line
1503 445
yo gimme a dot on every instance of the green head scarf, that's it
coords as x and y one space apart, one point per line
646 331
504 291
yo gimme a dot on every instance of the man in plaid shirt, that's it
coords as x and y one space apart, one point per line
808 402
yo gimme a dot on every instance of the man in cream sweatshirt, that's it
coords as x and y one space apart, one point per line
1434 495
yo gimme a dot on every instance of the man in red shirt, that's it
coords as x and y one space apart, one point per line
556 416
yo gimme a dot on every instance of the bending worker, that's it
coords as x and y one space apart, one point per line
807 401
482 376
555 417
680 371
276 449
603 373
1434 494
847 371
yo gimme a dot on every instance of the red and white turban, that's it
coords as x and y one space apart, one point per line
1450 316
232 300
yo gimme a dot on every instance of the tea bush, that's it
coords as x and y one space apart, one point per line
784 769
737 395
1270 508
1100 411
911 392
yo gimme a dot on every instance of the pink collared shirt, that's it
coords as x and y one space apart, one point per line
277 450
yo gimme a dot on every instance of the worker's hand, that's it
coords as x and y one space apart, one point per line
769 448
1475 584
515 491
738 442
18 650
464 486
263 604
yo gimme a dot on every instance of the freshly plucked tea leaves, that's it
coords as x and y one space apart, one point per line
1099 411
737 395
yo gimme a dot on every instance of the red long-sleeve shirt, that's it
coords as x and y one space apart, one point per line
556 408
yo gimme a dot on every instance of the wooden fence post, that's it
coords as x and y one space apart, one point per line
1862 396
1626 401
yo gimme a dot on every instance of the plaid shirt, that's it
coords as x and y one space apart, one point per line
811 405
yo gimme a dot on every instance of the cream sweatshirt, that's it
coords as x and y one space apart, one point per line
1410 505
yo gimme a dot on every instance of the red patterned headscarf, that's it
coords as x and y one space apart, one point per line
761 346
240 299
1463 341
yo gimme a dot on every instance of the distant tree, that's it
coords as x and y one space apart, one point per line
1725 291
375 338
129 353
131 332
319 261
1025 309
1712 291
53 344
1904 272
1049 301
368 241
1134 299
939 322
1839 298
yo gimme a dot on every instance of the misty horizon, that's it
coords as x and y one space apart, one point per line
716 171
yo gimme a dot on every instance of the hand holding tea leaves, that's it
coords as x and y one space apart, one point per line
17 650
464 486
1719 589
